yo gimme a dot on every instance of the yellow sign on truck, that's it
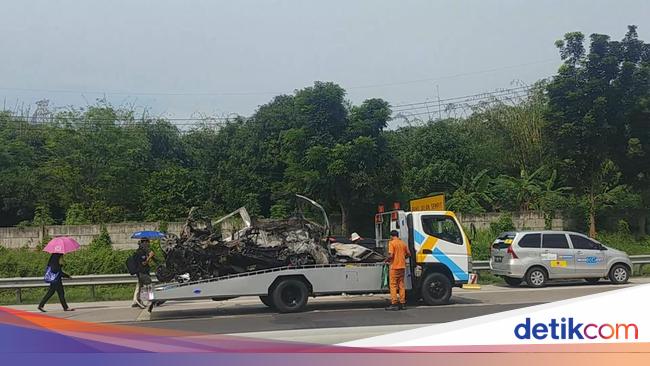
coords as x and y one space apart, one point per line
431 203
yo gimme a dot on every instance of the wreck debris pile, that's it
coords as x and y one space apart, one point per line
346 253
236 244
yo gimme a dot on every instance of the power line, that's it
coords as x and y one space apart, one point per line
467 104
497 91
407 110
512 94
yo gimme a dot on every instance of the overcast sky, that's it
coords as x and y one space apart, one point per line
180 58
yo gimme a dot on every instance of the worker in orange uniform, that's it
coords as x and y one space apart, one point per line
398 251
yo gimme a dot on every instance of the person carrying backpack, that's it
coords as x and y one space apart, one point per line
141 260
54 276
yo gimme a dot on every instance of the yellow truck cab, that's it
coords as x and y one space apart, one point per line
441 255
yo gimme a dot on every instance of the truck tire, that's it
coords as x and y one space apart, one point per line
290 296
266 300
436 289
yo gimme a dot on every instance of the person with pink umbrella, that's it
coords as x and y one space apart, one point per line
54 273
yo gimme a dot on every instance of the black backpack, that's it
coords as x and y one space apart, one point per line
132 264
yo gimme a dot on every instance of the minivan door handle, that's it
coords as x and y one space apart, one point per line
579 251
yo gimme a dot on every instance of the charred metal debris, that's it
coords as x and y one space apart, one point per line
235 244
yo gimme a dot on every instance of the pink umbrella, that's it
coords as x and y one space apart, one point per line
62 245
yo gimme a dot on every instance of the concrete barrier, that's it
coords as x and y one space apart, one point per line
16 237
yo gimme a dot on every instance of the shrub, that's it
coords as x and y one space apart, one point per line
42 216
481 241
163 226
625 242
103 240
76 215
43 243
279 211
622 227
503 223
96 260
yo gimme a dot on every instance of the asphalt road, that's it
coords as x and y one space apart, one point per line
353 315
331 319
332 315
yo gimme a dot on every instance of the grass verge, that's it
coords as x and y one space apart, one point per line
72 294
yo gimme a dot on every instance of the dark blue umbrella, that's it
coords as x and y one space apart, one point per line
147 234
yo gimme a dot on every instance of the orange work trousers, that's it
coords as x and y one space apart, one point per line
397 284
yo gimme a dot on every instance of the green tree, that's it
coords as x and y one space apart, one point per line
433 157
42 216
511 130
76 215
170 193
605 191
597 105
526 187
551 199
472 195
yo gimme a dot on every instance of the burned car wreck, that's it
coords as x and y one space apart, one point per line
235 243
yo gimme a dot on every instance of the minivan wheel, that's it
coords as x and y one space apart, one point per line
619 274
511 281
436 289
536 277
592 281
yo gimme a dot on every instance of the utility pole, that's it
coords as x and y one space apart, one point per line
439 105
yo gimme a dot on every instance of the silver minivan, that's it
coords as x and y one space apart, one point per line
537 256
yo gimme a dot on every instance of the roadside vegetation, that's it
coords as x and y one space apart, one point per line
576 144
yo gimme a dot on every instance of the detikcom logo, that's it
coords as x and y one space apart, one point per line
568 328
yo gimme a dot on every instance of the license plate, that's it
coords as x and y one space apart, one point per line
498 259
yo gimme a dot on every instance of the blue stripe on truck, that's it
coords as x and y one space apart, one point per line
458 272
419 238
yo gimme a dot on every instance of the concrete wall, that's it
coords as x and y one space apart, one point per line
13 237
522 220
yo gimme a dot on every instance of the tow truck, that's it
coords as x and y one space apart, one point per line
440 260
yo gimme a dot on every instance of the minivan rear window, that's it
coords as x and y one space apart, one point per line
503 241
555 241
531 241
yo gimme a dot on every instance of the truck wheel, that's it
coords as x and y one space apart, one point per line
436 289
266 300
511 281
290 296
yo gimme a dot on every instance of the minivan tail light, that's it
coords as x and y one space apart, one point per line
512 252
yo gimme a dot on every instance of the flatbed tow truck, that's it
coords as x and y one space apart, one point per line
441 260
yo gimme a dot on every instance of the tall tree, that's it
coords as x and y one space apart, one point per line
594 102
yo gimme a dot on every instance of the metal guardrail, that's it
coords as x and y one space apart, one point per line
19 283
